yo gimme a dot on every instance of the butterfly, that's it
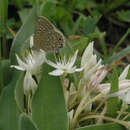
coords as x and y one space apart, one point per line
46 36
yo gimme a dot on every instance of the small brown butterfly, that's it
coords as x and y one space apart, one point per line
46 36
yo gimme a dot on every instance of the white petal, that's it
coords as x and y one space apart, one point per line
21 63
71 70
70 114
92 70
56 72
31 41
39 57
52 64
79 69
17 67
87 53
124 73
90 63
73 59
126 97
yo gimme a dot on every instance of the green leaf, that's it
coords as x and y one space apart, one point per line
49 10
26 123
6 71
110 126
120 41
90 25
23 14
84 4
111 5
9 112
48 105
113 103
19 93
79 43
118 55
19 45
66 21
124 15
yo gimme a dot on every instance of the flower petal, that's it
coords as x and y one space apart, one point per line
17 67
56 72
31 41
39 57
79 69
72 60
52 64
124 73
87 53
21 63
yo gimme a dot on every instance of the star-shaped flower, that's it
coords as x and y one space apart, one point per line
64 67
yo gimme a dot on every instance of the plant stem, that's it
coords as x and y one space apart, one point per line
82 106
4 47
121 122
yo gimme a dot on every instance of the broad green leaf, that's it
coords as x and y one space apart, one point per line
110 126
26 123
23 14
118 55
48 105
19 93
9 111
19 45
6 71
113 103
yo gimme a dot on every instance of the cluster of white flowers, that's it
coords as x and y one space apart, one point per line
93 72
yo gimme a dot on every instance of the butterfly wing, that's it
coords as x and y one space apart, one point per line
46 37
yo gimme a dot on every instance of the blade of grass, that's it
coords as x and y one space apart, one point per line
120 41
118 55
112 104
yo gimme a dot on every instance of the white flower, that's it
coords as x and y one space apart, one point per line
90 60
124 87
63 67
31 62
